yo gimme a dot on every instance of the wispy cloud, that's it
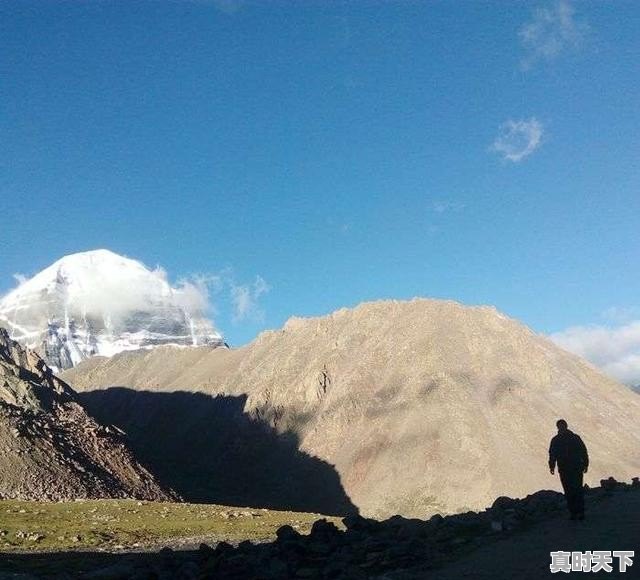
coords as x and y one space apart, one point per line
196 291
616 350
246 300
199 291
518 139
441 206
552 30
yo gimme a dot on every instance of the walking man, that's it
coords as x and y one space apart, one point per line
568 451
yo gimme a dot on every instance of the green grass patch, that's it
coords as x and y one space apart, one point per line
115 525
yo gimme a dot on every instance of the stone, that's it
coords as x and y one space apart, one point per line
323 528
358 523
223 548
276 568
205 550
120 571
189 571
503 503
320 548
286 533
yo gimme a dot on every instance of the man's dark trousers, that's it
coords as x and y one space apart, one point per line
573 490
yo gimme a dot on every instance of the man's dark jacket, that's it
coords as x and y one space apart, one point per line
569 452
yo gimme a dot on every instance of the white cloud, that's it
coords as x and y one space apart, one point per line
19 278
103 285
245 299
550 32
616 350
194 293
518 139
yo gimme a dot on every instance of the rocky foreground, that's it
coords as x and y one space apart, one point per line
394 549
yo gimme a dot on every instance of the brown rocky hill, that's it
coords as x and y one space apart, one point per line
49 447
419 406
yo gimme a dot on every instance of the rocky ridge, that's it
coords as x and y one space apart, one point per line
49 447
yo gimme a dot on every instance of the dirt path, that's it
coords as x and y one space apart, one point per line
613 524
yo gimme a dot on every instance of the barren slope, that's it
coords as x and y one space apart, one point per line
49 447
421 406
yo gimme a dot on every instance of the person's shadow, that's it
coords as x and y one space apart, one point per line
209 450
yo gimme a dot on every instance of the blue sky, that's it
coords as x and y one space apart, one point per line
335 152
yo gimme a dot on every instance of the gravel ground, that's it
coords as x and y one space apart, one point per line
613 524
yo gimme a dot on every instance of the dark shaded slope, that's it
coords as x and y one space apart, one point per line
208 450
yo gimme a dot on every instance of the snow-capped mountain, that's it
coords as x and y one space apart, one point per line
98 302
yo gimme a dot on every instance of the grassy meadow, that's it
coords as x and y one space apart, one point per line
114 525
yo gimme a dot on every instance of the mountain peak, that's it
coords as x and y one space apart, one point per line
99 302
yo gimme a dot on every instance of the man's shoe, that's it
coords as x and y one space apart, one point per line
573 517
581 516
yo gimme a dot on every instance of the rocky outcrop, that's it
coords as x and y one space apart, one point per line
49 447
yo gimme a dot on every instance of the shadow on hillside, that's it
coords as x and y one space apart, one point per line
209 451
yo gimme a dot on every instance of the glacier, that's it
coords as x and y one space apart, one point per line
101 303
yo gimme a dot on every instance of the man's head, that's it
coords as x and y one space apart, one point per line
561 424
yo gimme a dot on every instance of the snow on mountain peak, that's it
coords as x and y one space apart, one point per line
99 302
